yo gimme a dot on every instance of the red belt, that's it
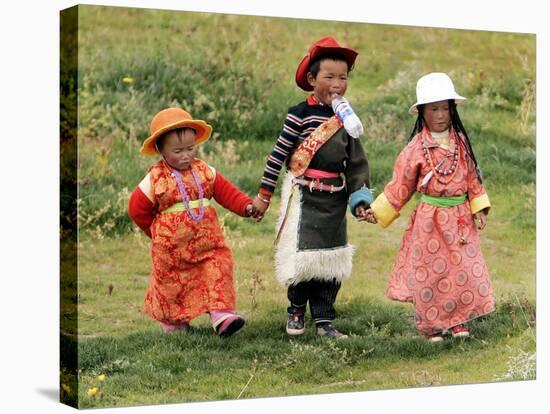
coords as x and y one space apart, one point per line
315 184
311 173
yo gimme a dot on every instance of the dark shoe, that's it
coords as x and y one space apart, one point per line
330 331
296 324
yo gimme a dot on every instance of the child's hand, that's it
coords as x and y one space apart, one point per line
371 218
367 215
480 219
250 210
259 208
360 212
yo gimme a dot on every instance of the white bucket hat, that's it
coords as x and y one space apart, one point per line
434 87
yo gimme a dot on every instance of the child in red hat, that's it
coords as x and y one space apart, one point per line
327 170
192 266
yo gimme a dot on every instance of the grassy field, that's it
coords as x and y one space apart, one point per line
142 365
234 72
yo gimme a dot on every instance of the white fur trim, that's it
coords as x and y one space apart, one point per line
323 264
288 241
292 265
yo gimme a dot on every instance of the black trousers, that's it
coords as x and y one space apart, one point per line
321 296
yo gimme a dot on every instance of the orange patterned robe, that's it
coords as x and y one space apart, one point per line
192 267
439 267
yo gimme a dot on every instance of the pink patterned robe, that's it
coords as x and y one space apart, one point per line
439 267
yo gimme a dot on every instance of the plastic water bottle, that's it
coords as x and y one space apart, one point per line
351 121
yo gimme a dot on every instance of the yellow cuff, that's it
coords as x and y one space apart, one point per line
384 212
480 203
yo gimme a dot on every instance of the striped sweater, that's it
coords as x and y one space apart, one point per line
300 121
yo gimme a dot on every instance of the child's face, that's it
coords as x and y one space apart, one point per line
331 79
437 116
179 150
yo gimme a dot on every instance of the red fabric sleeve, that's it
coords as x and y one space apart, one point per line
229 196
141 210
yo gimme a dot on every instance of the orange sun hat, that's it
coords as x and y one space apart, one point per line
322 47
170 119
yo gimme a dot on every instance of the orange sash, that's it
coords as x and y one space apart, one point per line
300 159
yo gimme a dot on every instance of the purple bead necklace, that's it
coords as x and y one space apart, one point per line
185 197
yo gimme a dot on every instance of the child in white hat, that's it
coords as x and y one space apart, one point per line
440 267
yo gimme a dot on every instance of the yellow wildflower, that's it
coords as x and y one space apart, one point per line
101 377
92 391
66 388
128 79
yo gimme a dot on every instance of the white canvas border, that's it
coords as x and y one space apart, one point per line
29 97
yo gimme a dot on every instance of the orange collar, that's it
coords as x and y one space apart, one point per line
312 100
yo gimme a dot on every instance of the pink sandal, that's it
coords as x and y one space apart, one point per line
460 331
434 338
169 328
226 323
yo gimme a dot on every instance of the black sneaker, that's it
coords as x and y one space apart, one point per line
328 330
296 324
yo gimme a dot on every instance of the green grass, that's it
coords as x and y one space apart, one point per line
150 367
238 78
233 72
144 366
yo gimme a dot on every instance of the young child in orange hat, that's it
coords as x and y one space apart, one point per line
192 266
327 168
439 267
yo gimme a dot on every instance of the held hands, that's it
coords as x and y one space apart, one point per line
364 214
249 211
351 121
259 207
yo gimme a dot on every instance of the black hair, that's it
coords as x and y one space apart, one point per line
315 65
457 126
179 131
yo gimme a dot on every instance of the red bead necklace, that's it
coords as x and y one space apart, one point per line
439 170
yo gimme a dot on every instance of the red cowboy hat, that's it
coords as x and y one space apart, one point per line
321 47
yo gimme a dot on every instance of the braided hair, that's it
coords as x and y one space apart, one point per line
457 126
419 124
